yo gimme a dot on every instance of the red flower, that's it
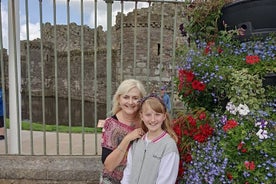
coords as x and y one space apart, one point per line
177 130
198 85
201 86
229 176
191 120
252 59
202 115
181 168
240 145
206 130
229 125
249 165
185 75
185 79
189 76
180 86
190 132
220 50
195 83
186 132
208 49
188 158
203 132
199 138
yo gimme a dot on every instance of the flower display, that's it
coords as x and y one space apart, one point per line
227 128
191 128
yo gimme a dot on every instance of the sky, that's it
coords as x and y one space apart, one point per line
61 14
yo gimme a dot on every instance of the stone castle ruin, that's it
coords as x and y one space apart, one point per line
158 72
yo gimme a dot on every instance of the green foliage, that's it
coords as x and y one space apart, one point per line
201 17
245 88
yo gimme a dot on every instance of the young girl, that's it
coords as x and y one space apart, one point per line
154 158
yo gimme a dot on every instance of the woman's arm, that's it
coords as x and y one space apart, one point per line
117 155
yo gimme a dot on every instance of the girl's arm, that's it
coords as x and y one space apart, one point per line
127 170
168 169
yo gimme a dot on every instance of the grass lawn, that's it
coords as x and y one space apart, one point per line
53 128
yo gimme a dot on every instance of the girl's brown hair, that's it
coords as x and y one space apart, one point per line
156 104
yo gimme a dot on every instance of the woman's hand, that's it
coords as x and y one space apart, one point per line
135 134
117 155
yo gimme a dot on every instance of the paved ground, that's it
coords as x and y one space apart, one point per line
87 144
5 181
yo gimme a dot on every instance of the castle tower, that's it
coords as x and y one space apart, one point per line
160 66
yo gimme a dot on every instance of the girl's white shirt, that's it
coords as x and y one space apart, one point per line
168 169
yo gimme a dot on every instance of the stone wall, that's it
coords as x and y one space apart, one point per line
50 169
62 71
74 35
158 70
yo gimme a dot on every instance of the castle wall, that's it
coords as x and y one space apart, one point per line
74 35
160 67
62 72
156 68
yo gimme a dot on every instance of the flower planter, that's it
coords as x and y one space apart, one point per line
269 79
256 17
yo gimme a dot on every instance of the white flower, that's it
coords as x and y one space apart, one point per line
261 124
231 108
262 134
243 109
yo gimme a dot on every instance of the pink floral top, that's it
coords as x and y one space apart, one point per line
113 134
